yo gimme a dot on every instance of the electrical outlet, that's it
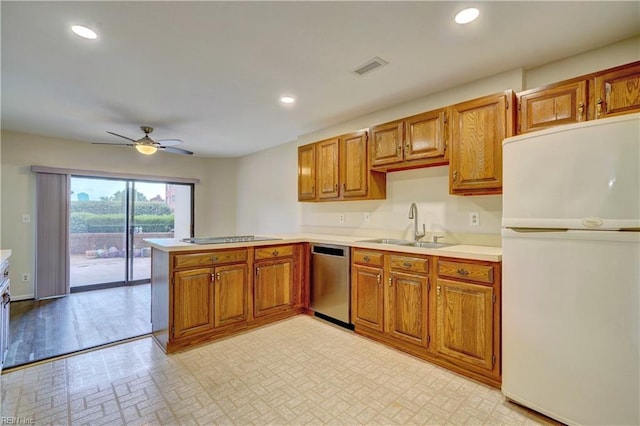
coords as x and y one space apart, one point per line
367 216
341 218
474 218
26 277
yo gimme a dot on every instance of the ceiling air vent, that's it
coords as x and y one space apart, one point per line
370 66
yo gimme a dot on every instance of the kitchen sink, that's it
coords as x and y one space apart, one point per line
426 244
387 241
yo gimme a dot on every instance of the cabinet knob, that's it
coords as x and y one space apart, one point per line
599 103
214 258
336 186
366 258
581 111
218 276
462 272
398 150
407 264
275 252
390 282
213 277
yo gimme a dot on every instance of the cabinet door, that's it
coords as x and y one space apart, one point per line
273 286
354 168
617 91
542 108
464 322
328 171
386 143
479 126
426 136
307 172
408 307
230 294
367 297
192 302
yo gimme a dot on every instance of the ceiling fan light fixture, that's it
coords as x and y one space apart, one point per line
84 32
146 149
287 99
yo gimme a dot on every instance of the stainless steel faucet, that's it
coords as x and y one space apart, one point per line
413 214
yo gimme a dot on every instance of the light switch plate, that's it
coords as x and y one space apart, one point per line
367 216
341 218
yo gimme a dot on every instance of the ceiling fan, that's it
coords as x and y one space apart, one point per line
148 146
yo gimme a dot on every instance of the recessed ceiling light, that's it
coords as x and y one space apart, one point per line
467 15
287 99
84 32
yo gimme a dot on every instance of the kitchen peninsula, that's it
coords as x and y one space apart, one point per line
440 304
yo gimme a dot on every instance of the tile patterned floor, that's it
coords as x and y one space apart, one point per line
298 371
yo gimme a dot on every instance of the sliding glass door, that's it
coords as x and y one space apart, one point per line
109 220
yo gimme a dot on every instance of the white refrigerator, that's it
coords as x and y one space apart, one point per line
571 271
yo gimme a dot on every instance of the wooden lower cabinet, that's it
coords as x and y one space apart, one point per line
367 297
192 302
452 321
199 296
230 294
464 322
273 286
408 307
388 298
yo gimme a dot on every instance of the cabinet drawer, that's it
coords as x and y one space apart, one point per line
467 271
367 257
274 251
405 263
209 258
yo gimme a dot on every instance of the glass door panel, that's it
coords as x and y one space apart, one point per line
97 231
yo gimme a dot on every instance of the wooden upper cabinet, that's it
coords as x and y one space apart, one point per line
426 136
552 105
328 168
479 127
307 172
617 91
341 171
416 141
353 165
386 143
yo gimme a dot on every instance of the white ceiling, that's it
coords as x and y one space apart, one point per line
211 73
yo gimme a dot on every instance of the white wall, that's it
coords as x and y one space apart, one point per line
214 196
267 181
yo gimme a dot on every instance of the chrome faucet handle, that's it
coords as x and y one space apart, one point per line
437 237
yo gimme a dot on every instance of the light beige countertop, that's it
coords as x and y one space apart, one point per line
4 255
461 251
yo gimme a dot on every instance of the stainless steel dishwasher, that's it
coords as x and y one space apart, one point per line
330 283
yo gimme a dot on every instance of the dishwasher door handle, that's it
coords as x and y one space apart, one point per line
329 251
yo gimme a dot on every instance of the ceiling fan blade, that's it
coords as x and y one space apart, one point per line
113 143
175 150
120 136
169 142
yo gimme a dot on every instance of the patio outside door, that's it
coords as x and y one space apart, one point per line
109 220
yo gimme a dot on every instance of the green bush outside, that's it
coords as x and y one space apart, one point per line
85 222
117 207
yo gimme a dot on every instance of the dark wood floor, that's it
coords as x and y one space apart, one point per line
52 327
